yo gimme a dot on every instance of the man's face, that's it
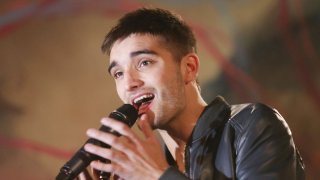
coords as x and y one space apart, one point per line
146 74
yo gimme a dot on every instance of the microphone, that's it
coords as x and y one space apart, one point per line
126 114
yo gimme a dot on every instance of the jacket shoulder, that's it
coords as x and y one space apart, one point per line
257 117
263 143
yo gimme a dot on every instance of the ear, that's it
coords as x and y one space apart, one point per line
190 67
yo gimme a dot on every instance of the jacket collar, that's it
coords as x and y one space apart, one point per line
215 115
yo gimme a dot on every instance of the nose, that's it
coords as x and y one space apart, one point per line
132 80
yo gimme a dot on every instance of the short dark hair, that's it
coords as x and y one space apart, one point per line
159 22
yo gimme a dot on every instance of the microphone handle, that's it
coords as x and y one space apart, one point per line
82 159
102 174
126 114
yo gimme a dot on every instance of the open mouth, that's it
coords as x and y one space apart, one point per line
143 101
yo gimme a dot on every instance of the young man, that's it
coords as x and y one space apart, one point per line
154 63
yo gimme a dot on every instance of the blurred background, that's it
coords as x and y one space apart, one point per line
54 83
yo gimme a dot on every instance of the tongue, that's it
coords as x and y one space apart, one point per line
144 107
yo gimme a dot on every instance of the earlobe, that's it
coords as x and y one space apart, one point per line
191 67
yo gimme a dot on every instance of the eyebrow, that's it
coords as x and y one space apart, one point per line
143 51
132 55
113 64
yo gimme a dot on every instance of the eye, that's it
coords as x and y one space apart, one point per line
145 63
117 74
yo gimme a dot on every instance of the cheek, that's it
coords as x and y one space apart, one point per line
171 85
120 92
173 80
162 77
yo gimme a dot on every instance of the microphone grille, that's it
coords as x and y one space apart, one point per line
130 112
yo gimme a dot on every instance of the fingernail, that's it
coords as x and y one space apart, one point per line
103 120
90 132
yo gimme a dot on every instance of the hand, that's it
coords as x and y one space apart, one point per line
85 175
131 157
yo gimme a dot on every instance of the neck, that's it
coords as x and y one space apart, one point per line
179 130
182 127
176 136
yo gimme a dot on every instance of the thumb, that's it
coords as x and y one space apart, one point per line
145 126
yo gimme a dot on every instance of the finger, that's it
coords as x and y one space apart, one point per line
112 167
120 143
145 126
95 173
84 175
120 127
110 154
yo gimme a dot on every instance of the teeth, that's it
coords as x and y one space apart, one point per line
141 98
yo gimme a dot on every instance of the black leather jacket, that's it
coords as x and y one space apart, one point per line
248 141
